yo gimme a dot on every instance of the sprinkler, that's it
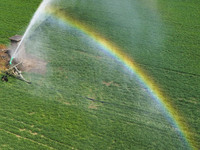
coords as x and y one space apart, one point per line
15 72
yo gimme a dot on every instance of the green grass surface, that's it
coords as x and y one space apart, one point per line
55 112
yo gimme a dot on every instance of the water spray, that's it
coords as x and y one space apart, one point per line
35 18
16 50
11 60
14 69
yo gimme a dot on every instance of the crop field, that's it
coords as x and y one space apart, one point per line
87 98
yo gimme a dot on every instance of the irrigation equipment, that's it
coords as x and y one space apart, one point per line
14 71
37 17
10 69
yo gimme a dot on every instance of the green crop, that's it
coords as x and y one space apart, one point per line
87 99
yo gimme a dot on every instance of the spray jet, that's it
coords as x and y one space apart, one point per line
35 22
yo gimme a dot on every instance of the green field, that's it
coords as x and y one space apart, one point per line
87 99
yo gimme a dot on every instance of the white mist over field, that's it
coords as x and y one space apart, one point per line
36 20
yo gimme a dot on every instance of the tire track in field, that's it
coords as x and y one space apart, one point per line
171 70
61 143
126 107
151 127
17 135
135 122
146 115
139 124
25 138
132 122
141 64
21 122
81 10
16 118
93 19
137 118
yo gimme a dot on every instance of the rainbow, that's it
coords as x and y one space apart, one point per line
132 66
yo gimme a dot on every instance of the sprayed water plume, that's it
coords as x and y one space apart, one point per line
30 63
19 53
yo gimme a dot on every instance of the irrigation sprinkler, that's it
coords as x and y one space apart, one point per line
13 69
15 72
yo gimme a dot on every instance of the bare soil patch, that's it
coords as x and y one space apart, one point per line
4 58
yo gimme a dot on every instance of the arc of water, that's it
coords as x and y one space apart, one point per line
35 18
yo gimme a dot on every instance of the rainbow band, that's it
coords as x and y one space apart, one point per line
153 89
